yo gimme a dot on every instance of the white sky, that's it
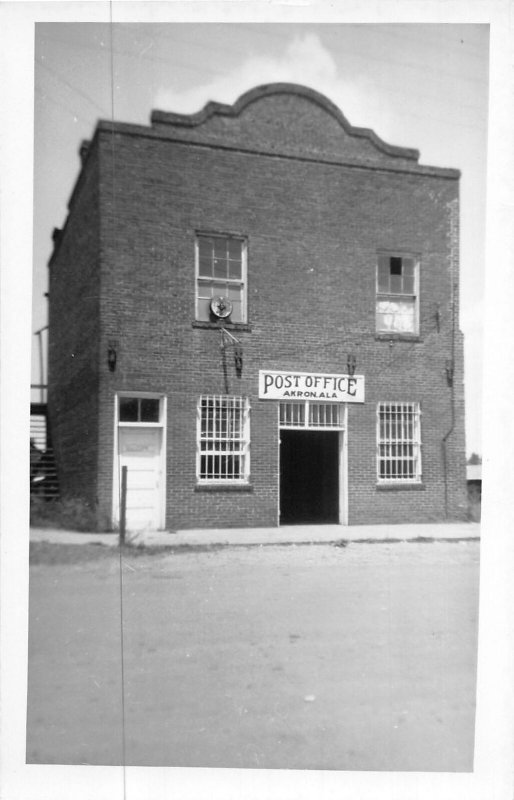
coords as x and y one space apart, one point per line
422 86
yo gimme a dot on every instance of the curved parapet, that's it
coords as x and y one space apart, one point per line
286 119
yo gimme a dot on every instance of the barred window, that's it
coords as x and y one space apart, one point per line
220 270
397 294
223 438
399 442
314 416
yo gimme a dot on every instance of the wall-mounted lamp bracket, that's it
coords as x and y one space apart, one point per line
351 363
449 368
111 358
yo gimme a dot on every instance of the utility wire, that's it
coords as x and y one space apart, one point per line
350 337
74 89
135 55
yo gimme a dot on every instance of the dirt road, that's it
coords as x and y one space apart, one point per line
305 657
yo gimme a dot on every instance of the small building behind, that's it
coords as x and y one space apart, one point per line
474 481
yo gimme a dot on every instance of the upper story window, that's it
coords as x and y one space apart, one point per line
397 303
220 271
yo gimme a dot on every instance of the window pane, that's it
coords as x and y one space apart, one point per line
408 284
204 288
324 415
408 267
235 258
205 266
233 291
220 268
149 410
396 316
382 322
128 409
205 466
383 274
234 269
396 284
235 295
205 247
219 288
395 264
292 414
204 311
220 248
234 248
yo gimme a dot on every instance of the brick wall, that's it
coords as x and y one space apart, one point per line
313 230
74 290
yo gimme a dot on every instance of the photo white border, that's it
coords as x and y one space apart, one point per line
494 758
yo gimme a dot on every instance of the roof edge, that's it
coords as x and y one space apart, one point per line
133 129
213 108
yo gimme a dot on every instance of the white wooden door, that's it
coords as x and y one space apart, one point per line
140 452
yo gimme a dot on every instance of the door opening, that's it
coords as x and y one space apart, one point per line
140 445
309 477
140 452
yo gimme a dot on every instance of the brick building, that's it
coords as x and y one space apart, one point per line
255 309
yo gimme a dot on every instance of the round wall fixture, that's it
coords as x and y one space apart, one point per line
221 307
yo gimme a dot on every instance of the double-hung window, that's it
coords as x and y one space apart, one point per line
223 443
397 298
221 271
398 442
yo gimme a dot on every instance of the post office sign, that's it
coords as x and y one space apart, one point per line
276 385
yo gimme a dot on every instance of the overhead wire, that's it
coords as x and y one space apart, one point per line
72 87
349 332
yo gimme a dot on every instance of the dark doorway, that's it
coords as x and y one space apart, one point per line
309 477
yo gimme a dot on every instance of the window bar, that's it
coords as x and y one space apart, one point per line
223 438
398 445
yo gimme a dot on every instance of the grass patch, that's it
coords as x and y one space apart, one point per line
72 513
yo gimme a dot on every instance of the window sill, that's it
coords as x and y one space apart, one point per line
224 486
140 424
242 327
397 337
393 486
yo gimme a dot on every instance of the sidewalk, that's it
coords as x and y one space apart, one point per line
287 534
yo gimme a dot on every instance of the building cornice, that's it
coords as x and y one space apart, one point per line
128 129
